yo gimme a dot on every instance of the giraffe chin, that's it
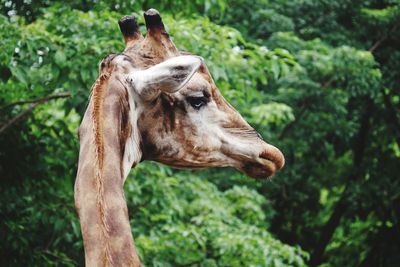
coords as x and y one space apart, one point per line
258 170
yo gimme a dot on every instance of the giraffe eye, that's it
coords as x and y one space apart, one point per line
197 102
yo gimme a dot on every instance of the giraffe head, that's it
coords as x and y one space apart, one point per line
180 116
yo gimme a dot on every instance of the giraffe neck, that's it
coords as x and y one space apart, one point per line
109 148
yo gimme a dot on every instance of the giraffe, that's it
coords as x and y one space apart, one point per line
153 102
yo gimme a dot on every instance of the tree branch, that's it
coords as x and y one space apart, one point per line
380 41
41 100
290 125
355 174
34 102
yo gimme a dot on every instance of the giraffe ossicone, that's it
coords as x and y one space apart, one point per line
153 102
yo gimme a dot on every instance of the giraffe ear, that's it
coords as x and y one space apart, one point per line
168 76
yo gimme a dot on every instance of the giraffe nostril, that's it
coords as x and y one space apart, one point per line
274 155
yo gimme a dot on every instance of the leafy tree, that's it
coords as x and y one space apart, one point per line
178 218
345 102
317 78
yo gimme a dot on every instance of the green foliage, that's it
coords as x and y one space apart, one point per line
183 220
257 21
319 79
178 219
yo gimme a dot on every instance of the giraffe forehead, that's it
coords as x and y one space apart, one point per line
197 86
144 54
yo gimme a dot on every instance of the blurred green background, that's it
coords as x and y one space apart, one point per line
319 79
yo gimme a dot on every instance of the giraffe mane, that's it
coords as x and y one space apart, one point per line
98 97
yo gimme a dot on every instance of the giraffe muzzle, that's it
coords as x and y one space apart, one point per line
273 155
269 161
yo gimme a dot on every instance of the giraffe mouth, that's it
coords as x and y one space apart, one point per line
266 165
